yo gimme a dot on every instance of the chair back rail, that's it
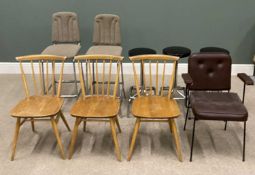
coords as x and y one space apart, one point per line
106 66
158 61
39 76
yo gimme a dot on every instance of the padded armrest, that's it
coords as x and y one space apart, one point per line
187 79
245 78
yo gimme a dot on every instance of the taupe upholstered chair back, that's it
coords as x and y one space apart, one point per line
210 71
107 30
65 28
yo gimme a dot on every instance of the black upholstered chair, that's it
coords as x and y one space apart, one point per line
181 52
208 82
135 52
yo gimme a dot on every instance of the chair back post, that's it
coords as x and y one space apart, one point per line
37 71
158 60
101 79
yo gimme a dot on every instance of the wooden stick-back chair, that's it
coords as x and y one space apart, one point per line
38 106
157 107
98 101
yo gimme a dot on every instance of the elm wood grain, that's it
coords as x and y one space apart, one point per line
96 107
95 104
40 106
155 108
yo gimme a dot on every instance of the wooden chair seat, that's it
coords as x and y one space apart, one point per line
37 106
96 106
155 107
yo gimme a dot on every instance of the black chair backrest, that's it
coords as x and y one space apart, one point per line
210 71
214 50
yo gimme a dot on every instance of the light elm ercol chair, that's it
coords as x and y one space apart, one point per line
107 41
66 40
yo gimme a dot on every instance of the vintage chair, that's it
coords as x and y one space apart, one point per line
208 82
107 41
40 107
66 41
155 108
99 103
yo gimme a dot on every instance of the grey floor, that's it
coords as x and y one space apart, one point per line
215 151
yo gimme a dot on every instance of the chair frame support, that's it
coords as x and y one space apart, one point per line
173 130
193 137
113 121
54 121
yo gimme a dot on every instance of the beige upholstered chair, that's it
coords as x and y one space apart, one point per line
107 40
65 39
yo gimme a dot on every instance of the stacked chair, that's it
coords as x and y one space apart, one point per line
65 41
208 82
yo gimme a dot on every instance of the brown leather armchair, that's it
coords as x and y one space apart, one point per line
208 83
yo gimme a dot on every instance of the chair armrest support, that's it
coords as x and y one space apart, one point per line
187 79
246 80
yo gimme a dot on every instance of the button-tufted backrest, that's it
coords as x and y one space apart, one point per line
65 28
107 30
210 71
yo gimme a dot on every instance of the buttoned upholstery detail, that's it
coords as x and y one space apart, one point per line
65 28
107 30
210 71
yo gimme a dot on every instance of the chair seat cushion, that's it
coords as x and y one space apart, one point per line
214 49
179 51
96 106
37 106
105 50
68 50
155 107
218 106
141 51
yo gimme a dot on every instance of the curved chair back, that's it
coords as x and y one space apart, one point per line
107 68
160 64
210 71
65 28
43 80
107 30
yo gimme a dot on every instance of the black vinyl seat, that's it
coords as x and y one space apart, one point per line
179 51
214 49
141 51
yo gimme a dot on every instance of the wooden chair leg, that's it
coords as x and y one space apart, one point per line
57 118
118 124
84 125
15 139
74 136
56 132
176 139
64 120
115 139
33 124
131 148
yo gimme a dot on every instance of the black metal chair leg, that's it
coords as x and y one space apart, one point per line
187 114
226 123
192 142
186 118
244 139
